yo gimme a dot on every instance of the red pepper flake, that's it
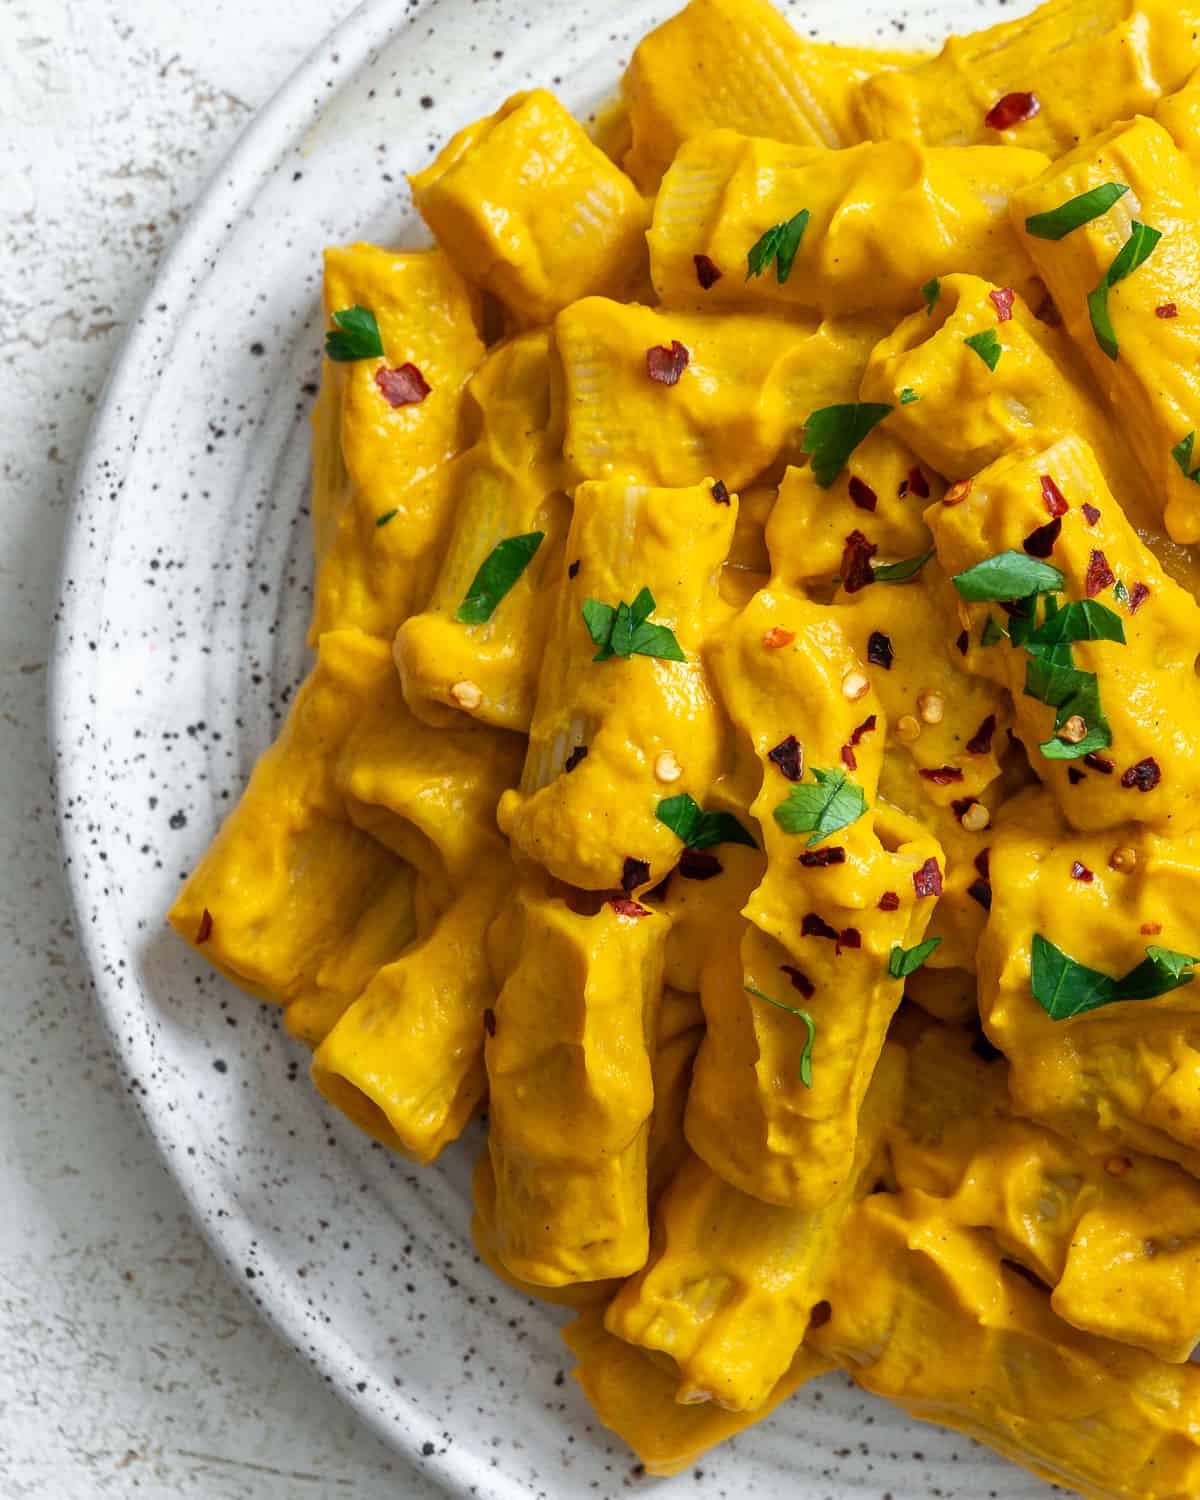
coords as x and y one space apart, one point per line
1055 500
1145 776
1099 763
776 637
1040 543
817 859
800 980
1047 312
626 906
573 570
1013 109
917 482
1138 595
927 881
942 775
962 805
1099 574
708 273
879 650
1151 929
856 562
1167 310
579 753
719 493
1003 298
666 363
862 494
1081 872
698 864
787 756
204 931
405 386
634 873
1090 514
849 937
981 741
815 926
489 1021
867 725
983 863
849 759
963 642
889 901
1075 775
981 891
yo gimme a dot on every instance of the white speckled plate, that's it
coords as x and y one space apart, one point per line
185 589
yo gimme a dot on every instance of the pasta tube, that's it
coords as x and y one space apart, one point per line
731 1282
1146 367
929 1315
569 1067
724 191
608 723
510 487
530 209
1147 685
1126 1075
1085 62
635 1398
382 473
816 935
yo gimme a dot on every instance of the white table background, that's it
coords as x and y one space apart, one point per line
130 1367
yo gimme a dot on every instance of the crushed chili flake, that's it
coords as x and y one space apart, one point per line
817 859
626 906
879 650
573 570
1145 776
1003 298
983 863
815 926
981 741
820 1315
1047 312
1138 595
667 362
405 386
849 759
489 1021
1012 109
849 937
1099 574
889 901
927 881
867 725
776 637
579 753
708 273
1056 502
1090 514
1099 763
862 494
1151 929
963 642
788 757
698 864
635 872
800 980
856 562
204 931
1081 872
981 891
720 493
1167 310
942 775
1075 775
962 804
917 482
1040 543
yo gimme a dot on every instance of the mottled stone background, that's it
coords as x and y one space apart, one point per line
128 1366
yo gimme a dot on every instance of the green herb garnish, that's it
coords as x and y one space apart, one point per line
991 634
355 335
1058 222
1081 620
897 572
908 396
803 1015
1073 694
1065 988
779 244
499 570
1007 576
905 961
987 345
388 515
1136 250
701 830
1182 454
822 806
832 434
931 291
625 630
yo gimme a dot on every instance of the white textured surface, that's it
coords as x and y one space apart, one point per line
131 1366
